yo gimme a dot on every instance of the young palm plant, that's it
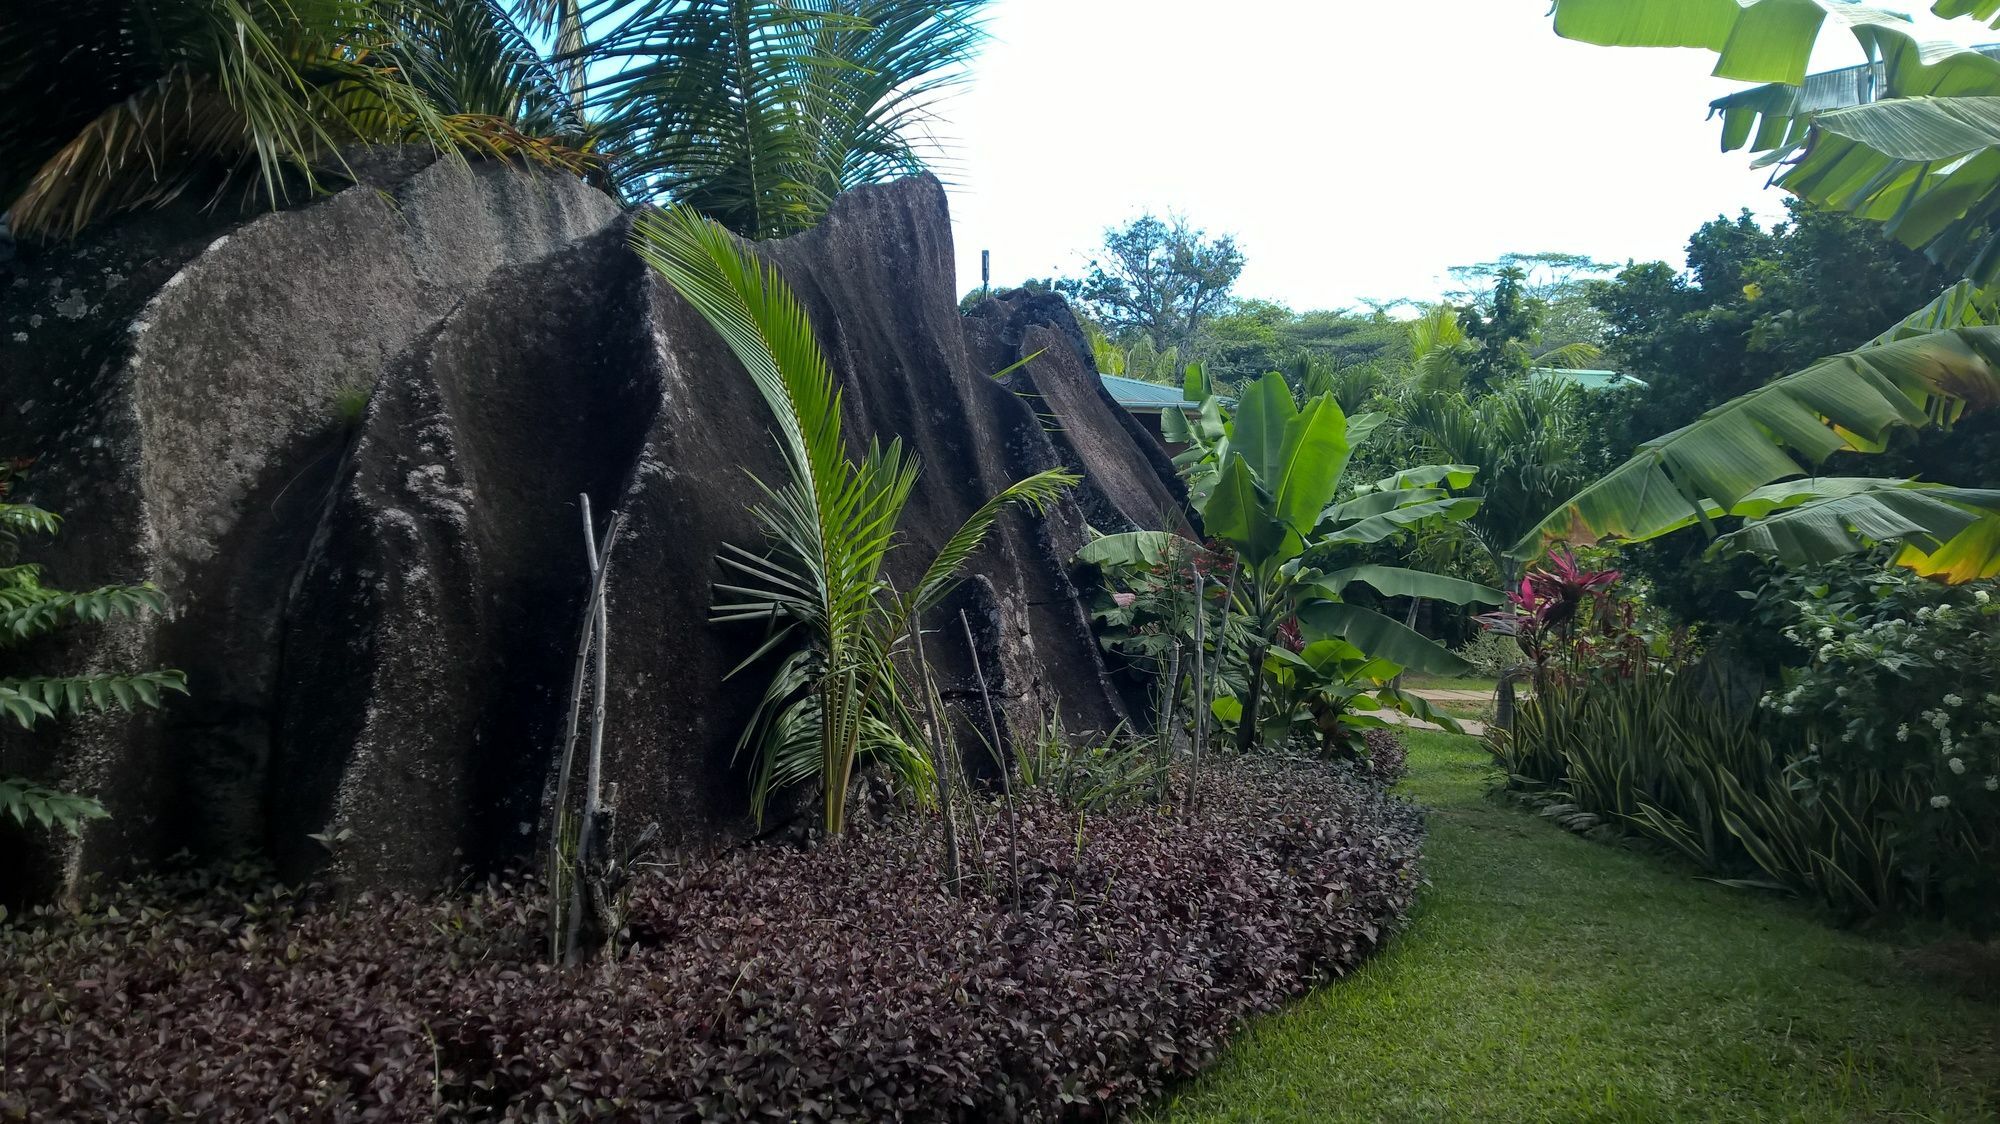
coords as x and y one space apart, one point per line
830 526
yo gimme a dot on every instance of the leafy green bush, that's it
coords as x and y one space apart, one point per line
1904 686
1491 654
1660 754
30 610
1870 783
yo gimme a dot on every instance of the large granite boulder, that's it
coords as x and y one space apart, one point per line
348 440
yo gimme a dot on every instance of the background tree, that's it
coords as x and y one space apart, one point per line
1158 278
1250 338
1754 304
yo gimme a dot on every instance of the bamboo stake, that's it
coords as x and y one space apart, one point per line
563 923
1200 686
999 758
940 761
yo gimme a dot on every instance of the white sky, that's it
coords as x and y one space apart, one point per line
1354 147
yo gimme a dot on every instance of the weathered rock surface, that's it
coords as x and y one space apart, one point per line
348 439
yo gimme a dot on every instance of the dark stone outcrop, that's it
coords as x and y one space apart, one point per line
348 439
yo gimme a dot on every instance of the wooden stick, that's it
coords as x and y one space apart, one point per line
1200 685
1000 759
563 929
939 758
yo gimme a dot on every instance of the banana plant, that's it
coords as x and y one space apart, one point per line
1757 457
1265 478
1330 690
1914 143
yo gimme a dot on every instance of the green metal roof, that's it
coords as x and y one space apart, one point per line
1589 380
1135 395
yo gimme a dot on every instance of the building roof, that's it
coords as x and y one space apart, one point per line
1135 395
1589 380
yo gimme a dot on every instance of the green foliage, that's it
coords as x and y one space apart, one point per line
1917 154
1501 334
1863 785
758 112
29 610
1902 686
1918 162
1491 654
1161 279
1526 439
266 91
1249 337
1265 478
1660 755
1912 376
26 802
838 697
1087 775
1756 304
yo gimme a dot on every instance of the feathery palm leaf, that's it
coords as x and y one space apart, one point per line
1524 440
758 112
207 92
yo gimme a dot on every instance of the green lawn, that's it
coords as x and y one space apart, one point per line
1549 978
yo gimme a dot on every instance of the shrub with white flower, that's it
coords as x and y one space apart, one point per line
1905 692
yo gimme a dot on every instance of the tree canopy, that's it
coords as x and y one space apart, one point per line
1159 278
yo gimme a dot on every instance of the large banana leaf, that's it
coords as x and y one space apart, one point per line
1754 40
1953 533
1781 430
1314 455
1423 476
1907 140
1257 429
1133 548
1396 581
1379 636
1235 513
1375 528
1977 9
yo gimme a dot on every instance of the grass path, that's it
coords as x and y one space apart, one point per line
1549 978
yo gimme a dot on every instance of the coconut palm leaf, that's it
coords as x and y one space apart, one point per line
758 112
829 528
1035 493
212 92
1523 438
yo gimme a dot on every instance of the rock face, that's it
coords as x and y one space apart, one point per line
348 439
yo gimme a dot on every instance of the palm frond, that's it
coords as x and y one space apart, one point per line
1036 493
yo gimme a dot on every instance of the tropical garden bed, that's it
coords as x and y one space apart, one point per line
839 982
